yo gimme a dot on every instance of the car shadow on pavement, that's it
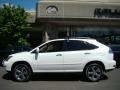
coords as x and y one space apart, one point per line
55 77
1 64
7 76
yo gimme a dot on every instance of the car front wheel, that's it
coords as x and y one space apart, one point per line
21 72
93 72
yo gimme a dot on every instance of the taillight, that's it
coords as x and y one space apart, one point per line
110 51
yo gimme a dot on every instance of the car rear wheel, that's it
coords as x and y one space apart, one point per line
93 72
21 72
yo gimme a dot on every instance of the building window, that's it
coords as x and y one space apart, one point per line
107 35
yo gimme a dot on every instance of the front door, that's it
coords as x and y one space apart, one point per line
50 57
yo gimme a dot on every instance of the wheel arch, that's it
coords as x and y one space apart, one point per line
21 62
98 62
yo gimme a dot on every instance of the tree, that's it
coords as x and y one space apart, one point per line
12 26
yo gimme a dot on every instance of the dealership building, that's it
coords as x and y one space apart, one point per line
99 19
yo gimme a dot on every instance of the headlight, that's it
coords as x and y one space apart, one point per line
8 58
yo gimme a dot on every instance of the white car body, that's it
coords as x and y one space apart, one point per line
64 61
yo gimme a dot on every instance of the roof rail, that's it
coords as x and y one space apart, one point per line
80 38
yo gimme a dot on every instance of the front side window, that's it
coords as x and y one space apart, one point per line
55 46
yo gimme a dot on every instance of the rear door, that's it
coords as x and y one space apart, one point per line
77 52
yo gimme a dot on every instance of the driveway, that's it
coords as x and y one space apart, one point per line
111 81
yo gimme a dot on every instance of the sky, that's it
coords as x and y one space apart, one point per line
27 4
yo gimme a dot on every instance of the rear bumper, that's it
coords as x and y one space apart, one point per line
109 70
110 65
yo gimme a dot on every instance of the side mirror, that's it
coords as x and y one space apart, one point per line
37 50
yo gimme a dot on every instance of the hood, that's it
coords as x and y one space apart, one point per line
19 53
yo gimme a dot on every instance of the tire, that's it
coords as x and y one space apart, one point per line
21 73
93 72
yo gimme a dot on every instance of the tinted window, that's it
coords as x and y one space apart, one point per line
73 45
55 46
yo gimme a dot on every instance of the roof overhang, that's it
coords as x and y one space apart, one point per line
80 21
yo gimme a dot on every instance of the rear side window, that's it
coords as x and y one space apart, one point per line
74 45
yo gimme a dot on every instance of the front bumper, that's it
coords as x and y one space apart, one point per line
7 66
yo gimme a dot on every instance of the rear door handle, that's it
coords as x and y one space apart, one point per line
59 55
87 53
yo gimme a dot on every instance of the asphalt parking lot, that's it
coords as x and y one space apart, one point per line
111 81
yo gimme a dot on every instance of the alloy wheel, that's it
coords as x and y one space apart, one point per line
22 73
94 72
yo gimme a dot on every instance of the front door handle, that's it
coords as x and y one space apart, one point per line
59 55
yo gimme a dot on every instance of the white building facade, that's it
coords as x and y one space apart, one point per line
99 19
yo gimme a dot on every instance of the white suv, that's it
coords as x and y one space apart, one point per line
62 55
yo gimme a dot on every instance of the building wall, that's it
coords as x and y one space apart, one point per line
86 0
99 19
76 8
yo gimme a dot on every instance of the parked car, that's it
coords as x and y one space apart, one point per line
116 50
62 55
4 52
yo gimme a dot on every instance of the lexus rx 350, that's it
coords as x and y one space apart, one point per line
62 55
